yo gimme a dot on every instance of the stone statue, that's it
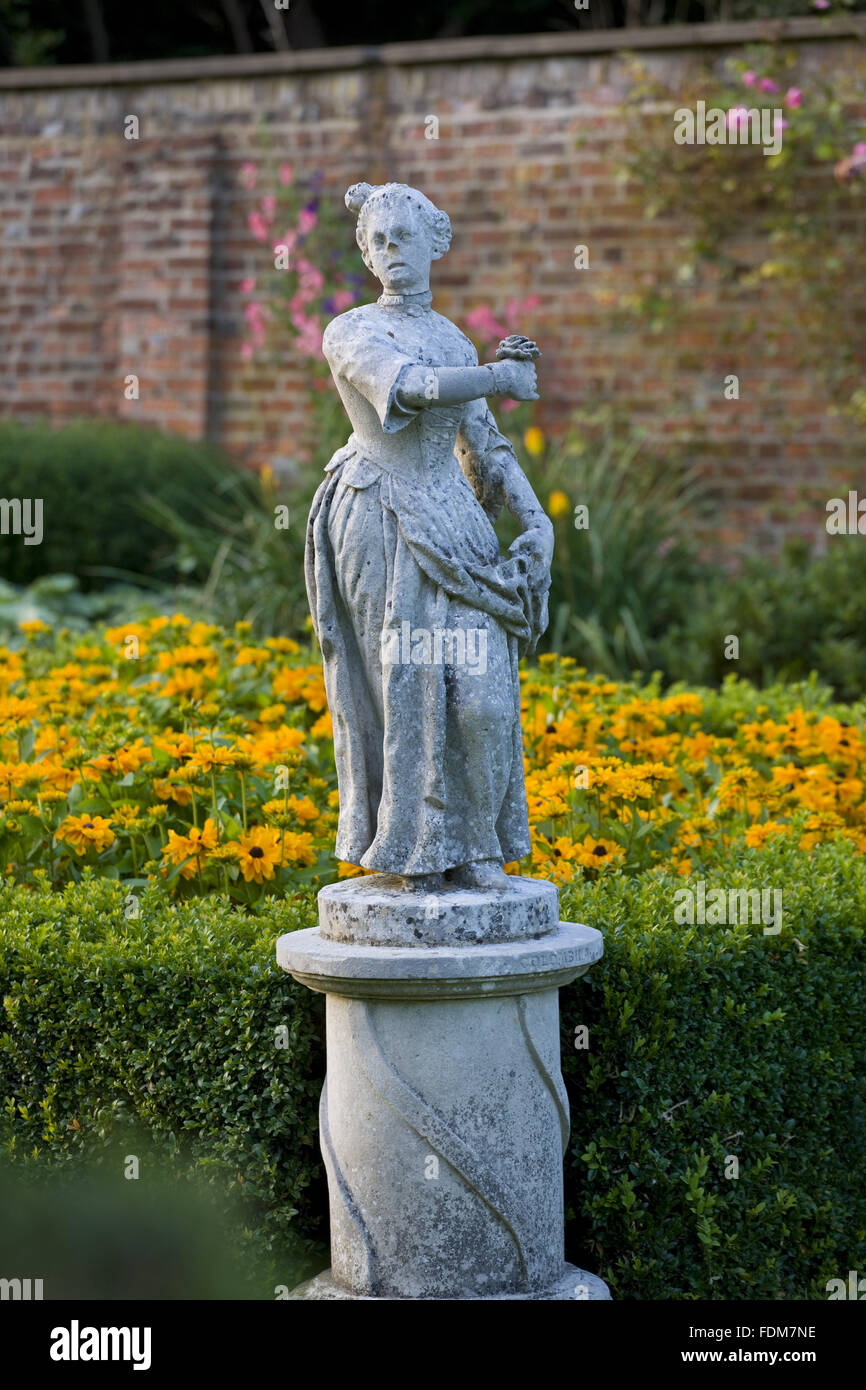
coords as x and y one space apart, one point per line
443 1118
420 618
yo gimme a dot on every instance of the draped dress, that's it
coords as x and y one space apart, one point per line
429 752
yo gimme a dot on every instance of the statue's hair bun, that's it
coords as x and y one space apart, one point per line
357 195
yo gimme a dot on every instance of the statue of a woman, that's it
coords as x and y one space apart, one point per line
420 618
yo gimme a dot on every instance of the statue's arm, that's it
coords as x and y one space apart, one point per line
421 387
490 463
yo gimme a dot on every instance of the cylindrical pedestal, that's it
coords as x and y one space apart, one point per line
444 1117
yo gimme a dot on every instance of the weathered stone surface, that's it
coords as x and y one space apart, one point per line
437 972
444 1118
377 911
573 1284
420 617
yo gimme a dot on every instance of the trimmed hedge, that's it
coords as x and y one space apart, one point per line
164 1024
752 1045
710 1042
91 475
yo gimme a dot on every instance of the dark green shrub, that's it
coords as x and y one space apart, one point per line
802 612
91 476
626 572
164 1024
710 1042
167 1022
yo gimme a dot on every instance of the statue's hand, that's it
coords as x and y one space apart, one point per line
517 346
517 379
535 543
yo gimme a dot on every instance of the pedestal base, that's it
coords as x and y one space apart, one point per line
444 1117
575 1284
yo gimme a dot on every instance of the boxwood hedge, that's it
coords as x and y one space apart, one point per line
706 1044
90 476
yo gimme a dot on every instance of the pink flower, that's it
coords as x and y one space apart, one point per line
288 243
258 226
248 174
307 220
749 78
268 204
309 334
255 314
247 286
735 116
779 124
858 154
508 405
311 277
481 322
246 352
767 84
793 98
341 300
286 174
820 4
517 309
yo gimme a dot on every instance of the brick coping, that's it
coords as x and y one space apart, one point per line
487 47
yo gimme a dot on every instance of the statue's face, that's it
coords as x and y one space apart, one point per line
398 247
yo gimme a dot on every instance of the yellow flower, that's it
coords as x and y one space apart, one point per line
558 504
298 847
211 757
85 832
757 835
252 656
259 853
323 728
167 790
533 439
34 625
283 644
299 807
193 847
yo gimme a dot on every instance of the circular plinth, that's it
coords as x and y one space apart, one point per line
575 1284
440 972
378 911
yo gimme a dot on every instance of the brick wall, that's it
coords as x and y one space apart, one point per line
121 256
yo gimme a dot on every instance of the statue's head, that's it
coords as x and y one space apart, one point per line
399 232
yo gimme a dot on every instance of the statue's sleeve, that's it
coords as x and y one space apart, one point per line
372 363
484 454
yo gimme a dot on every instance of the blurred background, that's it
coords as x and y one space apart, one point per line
173 240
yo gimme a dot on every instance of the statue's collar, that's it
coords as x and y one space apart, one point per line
409 303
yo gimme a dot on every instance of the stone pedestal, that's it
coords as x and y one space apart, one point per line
444 1118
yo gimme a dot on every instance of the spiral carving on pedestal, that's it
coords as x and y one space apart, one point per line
503 1202
368 1273
420 1116
552 1079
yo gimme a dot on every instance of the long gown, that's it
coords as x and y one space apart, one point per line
429 753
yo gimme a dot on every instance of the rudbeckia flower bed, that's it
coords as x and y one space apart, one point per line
176 751
168 808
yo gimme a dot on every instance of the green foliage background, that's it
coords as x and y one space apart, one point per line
166 1023
93 477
